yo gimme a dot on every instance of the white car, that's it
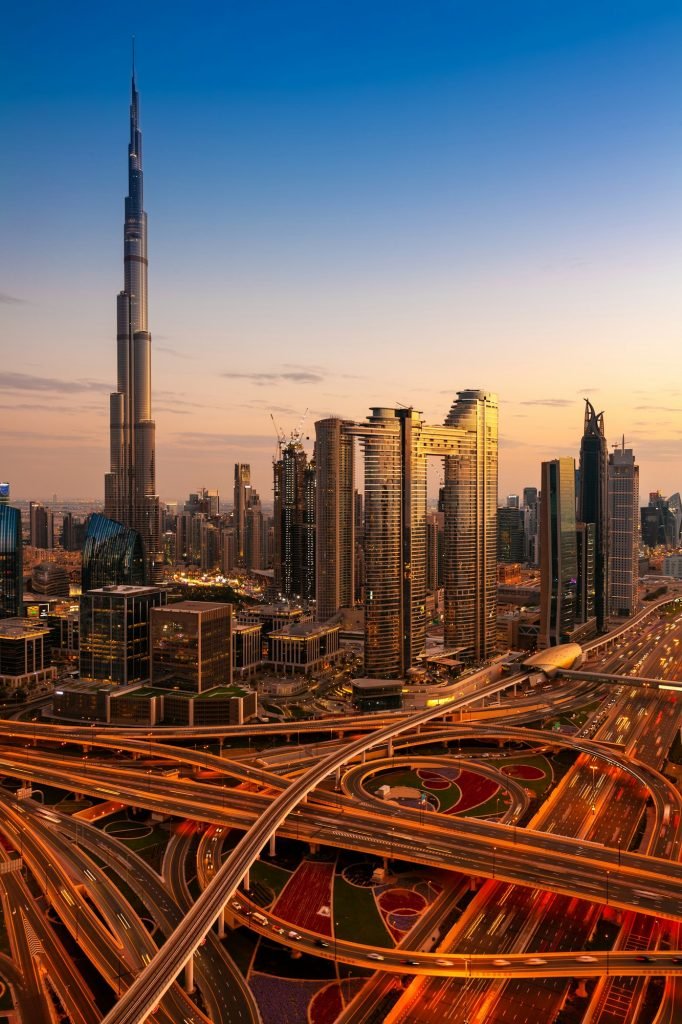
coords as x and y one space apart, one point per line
585 959
374 956
499 962
445 963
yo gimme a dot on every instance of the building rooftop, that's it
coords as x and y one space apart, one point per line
22 629
245 627
376 684
127 590
193 607
221 691
300 630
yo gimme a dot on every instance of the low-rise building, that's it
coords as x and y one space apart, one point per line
25 654
303 647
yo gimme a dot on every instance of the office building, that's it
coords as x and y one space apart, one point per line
294 533
593 504
130 484
585 595
24 654
115 633
513 501
530 496
242 489
558 553
191 645
51 579
4 492
623 525
510 536
659 523
11 563
336 517
41 526
112 554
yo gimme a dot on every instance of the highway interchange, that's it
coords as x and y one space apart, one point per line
550 880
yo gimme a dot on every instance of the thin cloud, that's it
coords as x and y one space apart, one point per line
297 376
658 408
194 439
11 300
171 351
555 403
29 382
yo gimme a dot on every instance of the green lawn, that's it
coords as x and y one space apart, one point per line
356 915
269 874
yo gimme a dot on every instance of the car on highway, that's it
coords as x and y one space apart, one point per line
445 963
236 905
643 959
500 962
322 943
535 960
411 963
374 956
585 959
292 934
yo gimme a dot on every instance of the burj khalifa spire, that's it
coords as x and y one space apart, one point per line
130 485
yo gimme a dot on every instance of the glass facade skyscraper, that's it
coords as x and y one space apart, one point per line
593 504
335 518
294 515
623 523
114 633
112 554
130 484
558 553
11 563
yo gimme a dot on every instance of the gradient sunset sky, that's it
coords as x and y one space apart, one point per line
350 204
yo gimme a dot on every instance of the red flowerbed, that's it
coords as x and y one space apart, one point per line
307 891
523 771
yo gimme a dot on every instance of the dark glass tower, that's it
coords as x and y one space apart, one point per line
112 555
11 563
130 485
593 503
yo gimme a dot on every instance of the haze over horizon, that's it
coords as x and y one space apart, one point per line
347 208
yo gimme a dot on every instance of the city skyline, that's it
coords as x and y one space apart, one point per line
319 265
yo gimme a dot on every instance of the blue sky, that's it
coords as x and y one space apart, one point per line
402 200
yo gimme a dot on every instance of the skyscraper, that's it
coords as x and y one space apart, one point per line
41 526
558 553
130 486
623 523
334 466
470 556
294 513
593 504
397 444
242 488
112 555
11 563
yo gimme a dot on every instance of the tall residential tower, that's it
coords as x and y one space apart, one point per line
593 504
130 485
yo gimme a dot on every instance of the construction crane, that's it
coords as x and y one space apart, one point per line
279 433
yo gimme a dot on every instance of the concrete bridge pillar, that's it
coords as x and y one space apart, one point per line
221 924
389 748
189 975
314 848
271 850
581 991
337 777
246 881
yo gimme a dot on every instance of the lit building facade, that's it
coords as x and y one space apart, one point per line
470 556
294 515
396 446
593 504
190 645
130 484
242 488
115 633
112 554
623 526
334 468
558 553
11 563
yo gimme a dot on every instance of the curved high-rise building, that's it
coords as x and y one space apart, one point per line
130 485
113 555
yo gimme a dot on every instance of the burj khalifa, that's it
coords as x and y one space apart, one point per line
130 485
